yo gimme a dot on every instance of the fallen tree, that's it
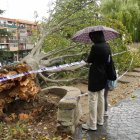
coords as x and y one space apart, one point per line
79 15
26 87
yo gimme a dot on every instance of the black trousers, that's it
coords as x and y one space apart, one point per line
106 98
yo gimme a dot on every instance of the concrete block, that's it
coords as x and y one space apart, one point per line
69 110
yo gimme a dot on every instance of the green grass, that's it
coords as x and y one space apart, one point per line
21 131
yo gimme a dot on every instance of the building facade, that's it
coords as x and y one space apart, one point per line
18 44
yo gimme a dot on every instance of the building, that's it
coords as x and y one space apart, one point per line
18 44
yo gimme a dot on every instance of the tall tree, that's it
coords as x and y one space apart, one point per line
126 11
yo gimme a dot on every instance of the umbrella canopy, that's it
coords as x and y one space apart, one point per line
83 35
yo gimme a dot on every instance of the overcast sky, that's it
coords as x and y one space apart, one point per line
24 9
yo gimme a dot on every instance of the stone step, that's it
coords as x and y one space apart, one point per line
126 79
136 69
134 74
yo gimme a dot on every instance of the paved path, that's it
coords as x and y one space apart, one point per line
123 122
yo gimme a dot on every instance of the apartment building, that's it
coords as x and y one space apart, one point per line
18 44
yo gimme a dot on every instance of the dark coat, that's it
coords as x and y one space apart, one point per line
98 58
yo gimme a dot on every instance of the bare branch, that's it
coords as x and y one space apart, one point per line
39 44
41 55
58 59
57 51
75 19
61 58
58 81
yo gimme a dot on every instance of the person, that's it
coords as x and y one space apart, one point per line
106 90
97 79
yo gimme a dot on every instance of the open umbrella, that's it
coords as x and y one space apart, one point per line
83 35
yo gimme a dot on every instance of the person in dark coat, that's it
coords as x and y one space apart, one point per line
98 58
97 79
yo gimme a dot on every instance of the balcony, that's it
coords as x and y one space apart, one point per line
13 41
3 47
29 46
12 49
12 26
8 41
17 41
8 26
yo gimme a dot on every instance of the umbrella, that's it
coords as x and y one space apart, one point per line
83 35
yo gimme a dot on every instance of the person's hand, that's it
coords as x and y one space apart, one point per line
85 56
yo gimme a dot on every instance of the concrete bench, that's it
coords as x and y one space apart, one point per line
68 109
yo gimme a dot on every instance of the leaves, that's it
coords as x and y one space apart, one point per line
128 12
24 116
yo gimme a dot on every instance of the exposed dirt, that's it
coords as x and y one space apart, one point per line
39 115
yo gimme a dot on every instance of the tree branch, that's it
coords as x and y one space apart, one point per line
58 59
39 44
57 51
67 17
59 81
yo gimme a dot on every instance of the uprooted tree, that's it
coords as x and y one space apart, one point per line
54 47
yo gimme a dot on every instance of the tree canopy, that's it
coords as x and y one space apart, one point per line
126 11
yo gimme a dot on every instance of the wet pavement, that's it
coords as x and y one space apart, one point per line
123 122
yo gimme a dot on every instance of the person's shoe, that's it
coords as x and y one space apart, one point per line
106 113
85 126
109 105
100 123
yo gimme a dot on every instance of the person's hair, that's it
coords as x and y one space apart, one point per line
97 37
